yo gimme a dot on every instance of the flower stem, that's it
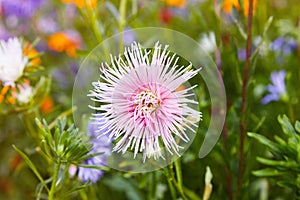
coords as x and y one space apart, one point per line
55 177
244 98
176 183
122 22
152 189
177 164
170 184
94 23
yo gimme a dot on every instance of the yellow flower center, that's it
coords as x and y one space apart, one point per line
145 104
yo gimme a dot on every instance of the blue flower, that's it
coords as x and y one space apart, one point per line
101 144
277 89
285 45
21 8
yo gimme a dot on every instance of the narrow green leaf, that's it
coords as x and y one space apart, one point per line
191 194
75 189
268 25
103 168
286 164
56 137
267 172
46 126
279 140
31 166
287 184
265 141
297 126
286 125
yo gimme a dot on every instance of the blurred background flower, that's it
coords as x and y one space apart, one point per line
101 146
68 41
277 90
285 45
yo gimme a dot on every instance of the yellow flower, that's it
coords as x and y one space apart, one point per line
177 3
229 4
62 42
82 3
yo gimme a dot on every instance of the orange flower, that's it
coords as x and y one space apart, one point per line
180 88
246 6
3 92
31 53
177 3
16 161
47 105
82 3
63 42
229 4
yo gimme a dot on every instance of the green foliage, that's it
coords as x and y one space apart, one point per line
285 160
68 145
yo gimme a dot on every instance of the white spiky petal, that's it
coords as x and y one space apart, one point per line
140 104
12 61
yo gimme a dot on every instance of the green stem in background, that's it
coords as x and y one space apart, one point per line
94 23
175 183
122 22
55 178
152 191
244 98
170 183
177 164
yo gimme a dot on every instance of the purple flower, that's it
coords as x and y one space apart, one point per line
4 34
129 36
242 54
180 12
21 8
48 24
277 88
285 45
101 144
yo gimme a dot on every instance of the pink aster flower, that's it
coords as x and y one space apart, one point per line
143 111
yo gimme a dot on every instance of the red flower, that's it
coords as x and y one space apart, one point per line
165 15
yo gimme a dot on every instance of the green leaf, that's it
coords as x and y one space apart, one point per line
267 172
265 141
286 125
31 166
280 141
103 168
297 126
275 163
191 194
77 188
268 25
56 137
287 184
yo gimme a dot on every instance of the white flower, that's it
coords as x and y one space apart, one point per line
24 94
12 61
208 42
